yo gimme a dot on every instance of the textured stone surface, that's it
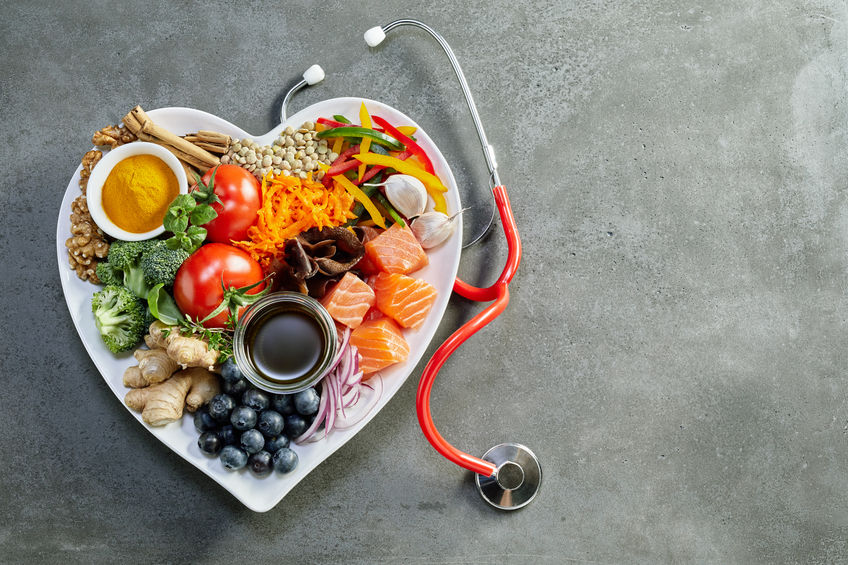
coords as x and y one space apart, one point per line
675 347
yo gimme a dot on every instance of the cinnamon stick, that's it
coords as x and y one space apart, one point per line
138 122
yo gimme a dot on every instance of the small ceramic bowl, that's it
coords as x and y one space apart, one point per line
101 171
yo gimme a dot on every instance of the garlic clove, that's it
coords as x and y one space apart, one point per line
407 194
433 228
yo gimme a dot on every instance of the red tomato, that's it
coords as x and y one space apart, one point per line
197 287
241 198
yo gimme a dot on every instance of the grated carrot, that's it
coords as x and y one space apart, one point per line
291 205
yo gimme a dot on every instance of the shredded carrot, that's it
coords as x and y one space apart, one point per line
291 205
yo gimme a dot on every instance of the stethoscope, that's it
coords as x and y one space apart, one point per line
508 475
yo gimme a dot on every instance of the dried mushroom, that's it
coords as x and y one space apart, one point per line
316 258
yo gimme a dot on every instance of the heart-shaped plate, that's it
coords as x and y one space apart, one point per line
262 494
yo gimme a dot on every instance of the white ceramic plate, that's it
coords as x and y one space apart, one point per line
262 494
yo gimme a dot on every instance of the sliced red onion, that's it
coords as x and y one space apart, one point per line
364 410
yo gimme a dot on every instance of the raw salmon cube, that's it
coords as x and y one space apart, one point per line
349 300
380 343
396 251
404 299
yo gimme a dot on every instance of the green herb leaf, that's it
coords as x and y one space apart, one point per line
172 243
178 224
184 201
203 214
163 307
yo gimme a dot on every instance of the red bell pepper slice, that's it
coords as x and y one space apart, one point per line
334 124
405 139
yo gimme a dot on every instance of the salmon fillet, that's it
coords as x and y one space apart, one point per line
380 344
396 251
349 300
404 299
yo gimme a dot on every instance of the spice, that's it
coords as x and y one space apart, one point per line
137 193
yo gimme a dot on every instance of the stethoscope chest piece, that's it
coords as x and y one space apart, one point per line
517 478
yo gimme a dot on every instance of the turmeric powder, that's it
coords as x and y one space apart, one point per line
137 193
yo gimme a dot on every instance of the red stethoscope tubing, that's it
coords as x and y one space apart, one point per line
498 293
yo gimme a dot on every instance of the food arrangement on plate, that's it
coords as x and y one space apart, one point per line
270 290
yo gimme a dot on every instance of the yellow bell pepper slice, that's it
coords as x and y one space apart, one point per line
362 198
365 145
407 130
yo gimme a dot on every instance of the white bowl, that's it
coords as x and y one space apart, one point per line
101 171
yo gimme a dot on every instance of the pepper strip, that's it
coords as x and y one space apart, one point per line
366 141
411 145
333 123
376 136
357 193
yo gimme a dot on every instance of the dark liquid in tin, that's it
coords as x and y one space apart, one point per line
285 344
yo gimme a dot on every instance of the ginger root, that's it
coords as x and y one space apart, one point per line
163 403
154 366
188 351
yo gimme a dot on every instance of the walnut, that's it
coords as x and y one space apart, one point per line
88 161
112 136
87 243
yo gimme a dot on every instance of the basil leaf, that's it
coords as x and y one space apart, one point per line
184 201
203 214
180 224
172 243
163 307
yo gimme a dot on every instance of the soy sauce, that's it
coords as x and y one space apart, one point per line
285 343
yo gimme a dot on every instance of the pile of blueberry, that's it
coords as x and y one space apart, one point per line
245 426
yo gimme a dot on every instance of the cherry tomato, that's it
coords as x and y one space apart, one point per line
197 287
241 198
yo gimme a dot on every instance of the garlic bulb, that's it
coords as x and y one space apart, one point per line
407 194
433 228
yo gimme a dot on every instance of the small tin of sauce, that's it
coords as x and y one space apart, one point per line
285 342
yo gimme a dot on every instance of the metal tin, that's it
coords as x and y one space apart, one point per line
259 313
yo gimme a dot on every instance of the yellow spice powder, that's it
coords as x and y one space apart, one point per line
137 193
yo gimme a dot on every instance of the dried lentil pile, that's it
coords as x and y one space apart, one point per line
295 152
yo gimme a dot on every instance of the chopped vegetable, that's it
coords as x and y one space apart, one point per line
124 264
374 135
160 265
119 317
411 145
291 206
363 199
366 141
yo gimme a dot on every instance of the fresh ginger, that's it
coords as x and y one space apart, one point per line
187 351
163 403
154 366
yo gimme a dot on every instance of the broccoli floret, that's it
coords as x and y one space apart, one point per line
161 264
119 318
125 254
125 260
109 274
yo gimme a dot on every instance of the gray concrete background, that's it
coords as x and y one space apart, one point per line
675 351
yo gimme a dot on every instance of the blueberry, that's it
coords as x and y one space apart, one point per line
210 442
270 423
243 418
220 407
256 399
237 388
230 371
233 458
285 460
295 425
228 435
283 403
203 422
306 402
260 463
274 444
252 441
